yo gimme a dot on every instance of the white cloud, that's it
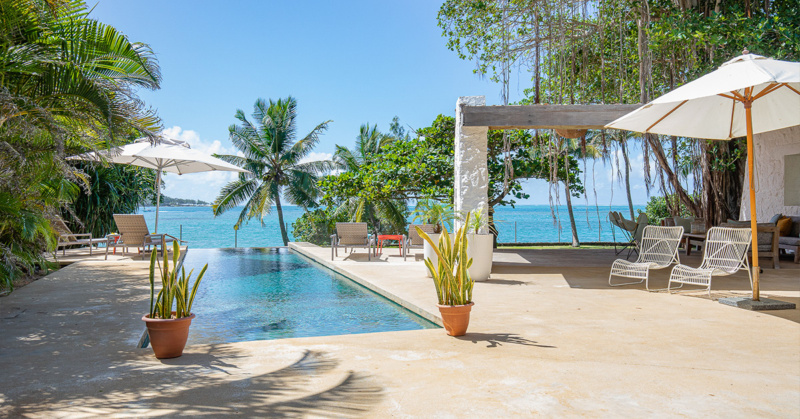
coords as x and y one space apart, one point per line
205 185
315 156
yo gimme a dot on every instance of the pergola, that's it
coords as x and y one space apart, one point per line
474 119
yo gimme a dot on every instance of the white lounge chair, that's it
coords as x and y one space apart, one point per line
133 232
658 248
413 239
724 253
67 238
351 235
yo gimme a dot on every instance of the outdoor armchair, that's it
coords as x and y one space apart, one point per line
658 249
414 239
133 232
724 253
351 235
67 238
632 231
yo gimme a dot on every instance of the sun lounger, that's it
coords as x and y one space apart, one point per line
724 253
413 239
658 249
351 235
67 238
133 232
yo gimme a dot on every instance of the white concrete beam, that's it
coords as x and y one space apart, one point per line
471 170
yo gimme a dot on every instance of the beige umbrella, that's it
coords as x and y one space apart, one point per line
747 95
168 155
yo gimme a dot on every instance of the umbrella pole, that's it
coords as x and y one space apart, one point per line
753 221
158 196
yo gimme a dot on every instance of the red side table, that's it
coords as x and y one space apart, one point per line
384 237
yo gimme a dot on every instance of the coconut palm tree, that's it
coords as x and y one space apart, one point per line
275 161
370 143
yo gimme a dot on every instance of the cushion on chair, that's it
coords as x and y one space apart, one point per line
792 241
764 238
775 218
686 223
784 226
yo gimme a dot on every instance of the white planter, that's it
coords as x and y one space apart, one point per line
480 249
428 252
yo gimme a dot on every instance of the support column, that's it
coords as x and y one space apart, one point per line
471 171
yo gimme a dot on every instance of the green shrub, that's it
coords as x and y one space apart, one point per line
657 210
317 226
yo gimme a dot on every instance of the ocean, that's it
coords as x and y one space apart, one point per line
525 223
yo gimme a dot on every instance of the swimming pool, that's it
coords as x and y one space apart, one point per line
272 293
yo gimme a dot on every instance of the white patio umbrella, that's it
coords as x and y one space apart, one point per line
747 95
169 155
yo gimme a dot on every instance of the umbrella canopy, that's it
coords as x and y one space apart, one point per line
168 155
713 106
747 95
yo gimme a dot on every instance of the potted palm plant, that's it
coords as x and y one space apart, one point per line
171 310
451 277
441 215
481 244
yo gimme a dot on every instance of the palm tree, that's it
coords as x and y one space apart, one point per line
370 143
275 162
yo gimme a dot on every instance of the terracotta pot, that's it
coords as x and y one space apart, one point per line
168 336
456 318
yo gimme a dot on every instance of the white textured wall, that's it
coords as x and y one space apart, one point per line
769 149
471 171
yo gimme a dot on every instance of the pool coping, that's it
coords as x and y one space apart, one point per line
425 314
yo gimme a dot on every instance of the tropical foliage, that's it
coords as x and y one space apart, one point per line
431 211
621 51
422 168
274 158
318 225
113 189
67 85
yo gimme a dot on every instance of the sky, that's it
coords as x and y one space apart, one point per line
348 62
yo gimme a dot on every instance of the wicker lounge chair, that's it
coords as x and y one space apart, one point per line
658 249
67 238
351 235
413 239
724 253
133 232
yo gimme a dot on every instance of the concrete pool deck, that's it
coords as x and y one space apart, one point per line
548 337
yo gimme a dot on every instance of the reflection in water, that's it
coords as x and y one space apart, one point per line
258 294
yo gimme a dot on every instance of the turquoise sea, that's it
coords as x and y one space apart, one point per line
533 223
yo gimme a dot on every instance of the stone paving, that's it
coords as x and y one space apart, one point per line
548 338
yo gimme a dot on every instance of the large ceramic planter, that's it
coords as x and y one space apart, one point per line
480 248
168 336
429 253
456 318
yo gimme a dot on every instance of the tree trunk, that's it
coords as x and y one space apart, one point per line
280 219
627 175
575 242
683 196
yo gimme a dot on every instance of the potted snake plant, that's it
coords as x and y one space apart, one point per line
481 244
451 277
441 215
171 310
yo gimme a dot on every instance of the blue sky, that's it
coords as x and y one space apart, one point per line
352 62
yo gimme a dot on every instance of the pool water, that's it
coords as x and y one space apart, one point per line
272 293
